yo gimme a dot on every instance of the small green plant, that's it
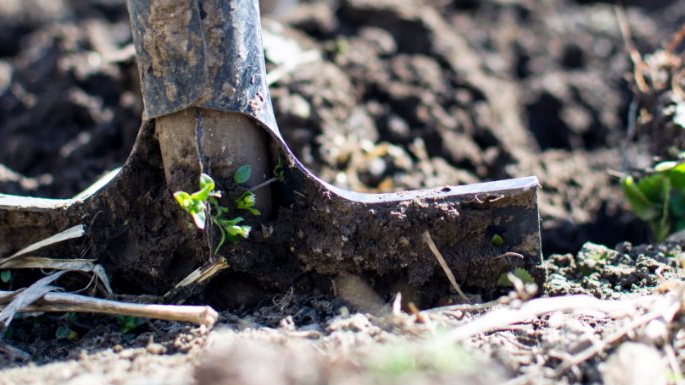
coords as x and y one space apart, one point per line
203 206
64 330
519 273
279 171
6 276
658 198
497 240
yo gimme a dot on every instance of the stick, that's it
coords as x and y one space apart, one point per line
434 249
65 302
503 318
635 57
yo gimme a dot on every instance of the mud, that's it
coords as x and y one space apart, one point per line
393 95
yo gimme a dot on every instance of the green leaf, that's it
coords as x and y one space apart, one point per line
247 201
183 199
6 276
519 273
243 173
665 166
279 173
62 332
206 182
664 227
239 231
677 176
200 217
652 187
206 188
677 203
497 240
642 207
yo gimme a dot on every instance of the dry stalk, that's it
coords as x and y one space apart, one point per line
70 233
65 302
638 63
450 276
503 318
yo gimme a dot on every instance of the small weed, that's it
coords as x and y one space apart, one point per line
279 172
497 240
658 198
204 206
519 273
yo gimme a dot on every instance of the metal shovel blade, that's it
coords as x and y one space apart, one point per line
212 60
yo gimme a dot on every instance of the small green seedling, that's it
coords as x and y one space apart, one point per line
204 206
519 273
279 171
497 240
658 198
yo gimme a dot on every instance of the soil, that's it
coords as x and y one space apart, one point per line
398 95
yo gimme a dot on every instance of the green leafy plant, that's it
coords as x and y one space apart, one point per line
203 206
658 198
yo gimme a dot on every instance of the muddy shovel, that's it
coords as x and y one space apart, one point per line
207 110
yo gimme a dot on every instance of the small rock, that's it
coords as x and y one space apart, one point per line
635 364
5 77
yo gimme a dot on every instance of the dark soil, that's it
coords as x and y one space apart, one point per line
399 95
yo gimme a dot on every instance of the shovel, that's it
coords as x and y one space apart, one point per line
208 110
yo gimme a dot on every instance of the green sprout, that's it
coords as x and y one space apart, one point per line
497 240
519 273
203 206
658 198
279 172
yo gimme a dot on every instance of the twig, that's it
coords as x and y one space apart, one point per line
677 39
632 51
509 254
503 318
14 352
65 302
198 276
264 184
434 249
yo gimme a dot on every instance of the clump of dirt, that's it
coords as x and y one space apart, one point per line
607 273
69 98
